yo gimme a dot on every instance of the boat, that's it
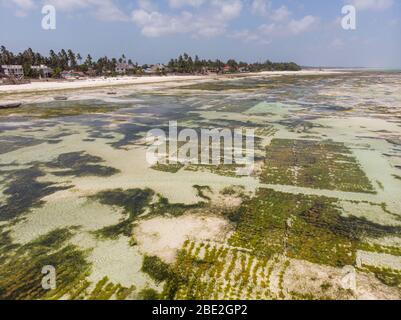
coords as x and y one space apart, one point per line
61 98
11 105
111 93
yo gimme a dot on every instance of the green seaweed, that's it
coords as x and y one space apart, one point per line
201 191
80 164
156 268
25 192
315 164
21 273
303 227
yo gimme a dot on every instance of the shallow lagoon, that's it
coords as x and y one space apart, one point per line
55 157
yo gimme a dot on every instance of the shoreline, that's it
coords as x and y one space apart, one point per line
43 86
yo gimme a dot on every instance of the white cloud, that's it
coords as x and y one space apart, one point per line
261 7
148 5
293 27
183 3
371 4
24 4
102 9
337 43
281 14
211 21
300 26
265 8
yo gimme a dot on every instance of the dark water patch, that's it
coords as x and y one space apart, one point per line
304 227
54 141
13 143
80 164
21 273
163 206
60 109
132 201
135 203
131 132
25 192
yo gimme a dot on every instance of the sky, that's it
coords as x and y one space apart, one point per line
308 32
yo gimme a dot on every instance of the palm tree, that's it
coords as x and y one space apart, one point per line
79 58
72 58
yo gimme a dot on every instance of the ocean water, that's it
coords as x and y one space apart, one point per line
57 157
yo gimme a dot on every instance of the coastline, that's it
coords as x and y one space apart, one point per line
43 86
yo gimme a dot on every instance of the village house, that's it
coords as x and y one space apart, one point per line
123 68
72 75
155 69
16 71
43 70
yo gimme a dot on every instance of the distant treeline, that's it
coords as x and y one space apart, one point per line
69 60
186 64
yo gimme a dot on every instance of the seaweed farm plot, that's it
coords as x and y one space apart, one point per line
209 271
304 227
320 197
315 164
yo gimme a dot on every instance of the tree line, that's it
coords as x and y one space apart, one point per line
186 64
69 60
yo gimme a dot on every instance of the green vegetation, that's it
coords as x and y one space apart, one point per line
21 270
372 247
13 143
233 191
148 294
25 192
314 164
106 290
204 271
186 64
68 60
389 277
80 164
228 170
21 276
135 203
61 109
202 190
172 168
163 206
303 227
156 268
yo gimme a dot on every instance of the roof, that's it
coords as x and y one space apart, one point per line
11 66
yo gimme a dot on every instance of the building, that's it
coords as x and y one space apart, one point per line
156 69
72 75
123 68
43 70
16 71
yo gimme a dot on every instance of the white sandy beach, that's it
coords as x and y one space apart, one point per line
126 80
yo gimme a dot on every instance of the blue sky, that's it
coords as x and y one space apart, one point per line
308 32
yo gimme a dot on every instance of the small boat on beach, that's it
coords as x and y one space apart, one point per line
61 98
11 105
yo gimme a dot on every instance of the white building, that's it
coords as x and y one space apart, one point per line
13 71
45 70
123 68
155 69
